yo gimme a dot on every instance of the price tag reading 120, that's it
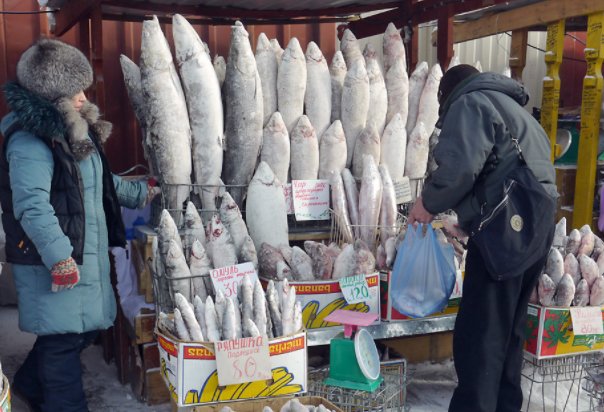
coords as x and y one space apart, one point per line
355 289
228 279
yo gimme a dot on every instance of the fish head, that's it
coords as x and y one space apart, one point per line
421 70
369 52
192 218
348 38
263 44
276 124
219 61
313 53
304 129
264 175
130 70
293 51
338 64
198 252
392 33
187 43
216 228
155 52
228 207
174 251
240 51
436 73
276 46
167 226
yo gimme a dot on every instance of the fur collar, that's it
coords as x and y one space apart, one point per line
58 121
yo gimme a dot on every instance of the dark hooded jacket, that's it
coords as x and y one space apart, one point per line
476 136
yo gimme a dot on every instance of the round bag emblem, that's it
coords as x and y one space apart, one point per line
516 222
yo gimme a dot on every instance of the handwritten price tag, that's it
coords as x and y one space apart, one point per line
402 189
228 279
587 320
243 360
355 289
311 199
289 202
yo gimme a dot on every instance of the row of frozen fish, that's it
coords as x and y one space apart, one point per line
574 271
249 313
293 405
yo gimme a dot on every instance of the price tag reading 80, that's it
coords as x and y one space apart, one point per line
228 279
355 289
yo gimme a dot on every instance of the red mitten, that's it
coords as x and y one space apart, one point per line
65 274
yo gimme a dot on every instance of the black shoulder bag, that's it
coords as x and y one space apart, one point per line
513 235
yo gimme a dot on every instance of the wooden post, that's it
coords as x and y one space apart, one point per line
96 31
551 83
590 122
444 42
517 60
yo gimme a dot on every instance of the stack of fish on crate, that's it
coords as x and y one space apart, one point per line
573 274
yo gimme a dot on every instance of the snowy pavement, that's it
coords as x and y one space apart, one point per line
429 390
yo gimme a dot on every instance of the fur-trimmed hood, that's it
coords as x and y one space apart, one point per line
58 122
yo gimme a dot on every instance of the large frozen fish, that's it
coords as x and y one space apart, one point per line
301 265
589 269
340 207
571 266
181 328
355 105
428 102
167 117
554 266
266 61
332 150
337 70
230 215
274 307
547 289
266 214
220 244
388 212
189 317
344 264
350 49
291 84
397 88
322 259
565 291
250 328
394 48
211 319
416 158
134 87
193 229
378 97
416 86
587 241
317 99
304 155
574 242
596 294
199 266
220 69
259 312
370 200
276 147
364 261
204 103
393 148
352 199
581 294
277 49
559 240
166 232
368 143
248 252
268 257
177 270
243 125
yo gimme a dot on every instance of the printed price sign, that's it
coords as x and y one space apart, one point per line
311 199
355 289
228 279
402 189
243 360
587 320
289 202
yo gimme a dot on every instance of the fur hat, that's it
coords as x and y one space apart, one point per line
54 69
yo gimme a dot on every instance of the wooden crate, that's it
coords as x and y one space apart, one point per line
141 252
145 375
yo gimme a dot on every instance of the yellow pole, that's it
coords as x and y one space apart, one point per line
551 83
590 122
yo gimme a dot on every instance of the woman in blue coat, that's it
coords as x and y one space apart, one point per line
61 213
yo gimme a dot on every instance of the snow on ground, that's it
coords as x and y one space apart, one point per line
429 390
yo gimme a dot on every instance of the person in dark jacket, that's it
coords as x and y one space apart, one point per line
474 150
61 213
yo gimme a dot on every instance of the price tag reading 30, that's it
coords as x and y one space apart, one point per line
587 320
243 360
228 279
355 289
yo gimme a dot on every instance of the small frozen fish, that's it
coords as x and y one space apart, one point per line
287 312
337 71
581 294
587 241
596 295
188 316
181 329
317 99
247 298
199 266
380 258
222 248
177 270
297 317
220 304
571 266
211 321
199 309
193 230
352 199
546 289
390 251
250 328
229 327
554 266
565 292
589 269
574 242
274 307
301 265
560 234
259 312
340 204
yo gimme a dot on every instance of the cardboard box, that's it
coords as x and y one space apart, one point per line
189 370
275 404
321 297
549 334
391 314
5 395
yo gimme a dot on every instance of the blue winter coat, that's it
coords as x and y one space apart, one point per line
91 304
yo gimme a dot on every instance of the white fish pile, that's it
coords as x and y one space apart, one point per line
250 313
293 405
574 271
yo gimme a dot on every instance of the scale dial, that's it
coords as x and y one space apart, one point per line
367 355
